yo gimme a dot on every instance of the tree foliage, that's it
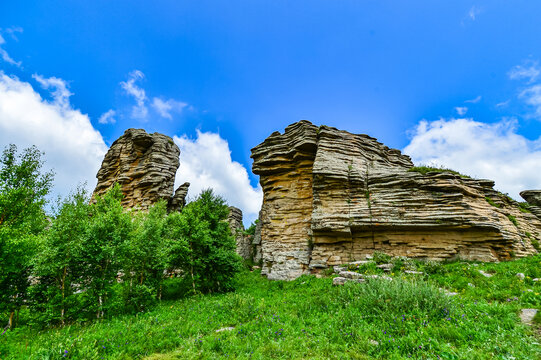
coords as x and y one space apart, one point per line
22 195
95 260
206 248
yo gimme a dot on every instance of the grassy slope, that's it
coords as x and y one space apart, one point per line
309 319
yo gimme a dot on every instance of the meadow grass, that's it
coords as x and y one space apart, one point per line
308 318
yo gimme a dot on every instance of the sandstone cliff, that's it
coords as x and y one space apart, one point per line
331 197
144 165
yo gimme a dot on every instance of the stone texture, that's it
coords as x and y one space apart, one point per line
244 243
533 198
144 165
332 197
178 201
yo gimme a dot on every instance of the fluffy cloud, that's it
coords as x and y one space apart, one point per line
140 110
206 162
73 148
165 108
493 151
107 117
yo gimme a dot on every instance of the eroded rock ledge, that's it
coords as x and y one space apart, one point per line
332 197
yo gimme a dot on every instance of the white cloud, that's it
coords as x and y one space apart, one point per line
474 101
140 110
73 148
107 117
206 162
4 54
165 108
503 104
58 87
530 70
461 110
12 32
474 11
532 96
492 151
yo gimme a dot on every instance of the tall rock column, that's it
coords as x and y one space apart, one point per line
284 163
145 166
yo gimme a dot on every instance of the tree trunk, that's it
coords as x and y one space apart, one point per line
11 319
62 311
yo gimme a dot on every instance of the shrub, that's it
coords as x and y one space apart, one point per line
202 245
381 258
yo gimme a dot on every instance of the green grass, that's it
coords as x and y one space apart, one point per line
308 318
426 169
491 202
513 219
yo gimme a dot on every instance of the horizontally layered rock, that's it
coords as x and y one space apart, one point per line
332 197
244 243
533 198
144 165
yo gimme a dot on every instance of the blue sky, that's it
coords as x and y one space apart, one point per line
455 83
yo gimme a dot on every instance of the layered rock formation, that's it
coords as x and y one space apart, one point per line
332 197
533 198
244 243
144 165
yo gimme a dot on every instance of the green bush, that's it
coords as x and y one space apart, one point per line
203 247
381 258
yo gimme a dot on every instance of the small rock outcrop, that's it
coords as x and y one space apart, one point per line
244 244
144 165
178 201
332 197
533 198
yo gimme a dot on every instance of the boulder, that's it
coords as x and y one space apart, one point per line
332 197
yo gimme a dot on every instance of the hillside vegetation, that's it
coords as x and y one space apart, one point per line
308 318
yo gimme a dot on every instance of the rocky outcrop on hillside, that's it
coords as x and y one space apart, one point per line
533 198
144 165
244 242
332 197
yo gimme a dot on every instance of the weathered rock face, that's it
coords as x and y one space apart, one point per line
244 244
331 197
144 165
533 198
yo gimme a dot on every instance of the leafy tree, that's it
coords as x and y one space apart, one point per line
109 230
145 258
251 228
205 248
22 195
58 261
